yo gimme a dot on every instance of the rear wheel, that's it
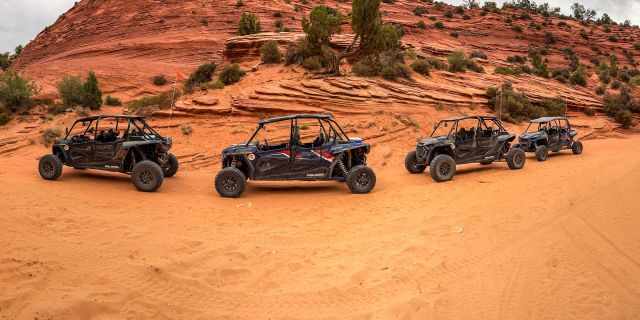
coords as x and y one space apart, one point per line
50 167
576 147
442 168
147 176
412 165
361 179
542 153
516 158
171 167
230 182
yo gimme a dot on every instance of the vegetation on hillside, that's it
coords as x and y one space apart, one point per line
75 93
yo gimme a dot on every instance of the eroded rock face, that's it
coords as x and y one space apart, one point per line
127 42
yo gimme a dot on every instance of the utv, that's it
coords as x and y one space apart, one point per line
297 147
474 139
549 133
123 144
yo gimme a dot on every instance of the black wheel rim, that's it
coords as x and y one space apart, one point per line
47 168
363 179
519 158
146 177
444 169
230 184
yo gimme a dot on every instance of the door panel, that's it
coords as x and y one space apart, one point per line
272 164
81 153
103 152
311 163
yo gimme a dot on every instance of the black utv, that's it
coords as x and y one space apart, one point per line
304 147
462 140
549 134
125 144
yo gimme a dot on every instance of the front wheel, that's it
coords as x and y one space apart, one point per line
361 179
171 167
147 176
516 158
542 153
230 182
412 165
576 147
442 168
50 167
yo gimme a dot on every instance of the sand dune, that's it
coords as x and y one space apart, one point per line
557 240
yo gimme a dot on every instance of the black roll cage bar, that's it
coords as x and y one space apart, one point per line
130 120
480 122
294 123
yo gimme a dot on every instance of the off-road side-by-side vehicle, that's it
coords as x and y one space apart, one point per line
549 134
125 144
462 140
297 147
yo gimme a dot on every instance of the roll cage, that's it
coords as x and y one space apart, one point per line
329 128
481 124
134 125
546 124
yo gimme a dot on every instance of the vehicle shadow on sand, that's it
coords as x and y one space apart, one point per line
258 188
92 175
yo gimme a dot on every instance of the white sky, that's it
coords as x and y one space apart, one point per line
22 20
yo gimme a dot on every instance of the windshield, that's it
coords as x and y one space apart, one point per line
443 128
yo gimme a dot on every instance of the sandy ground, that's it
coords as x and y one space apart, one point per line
557 240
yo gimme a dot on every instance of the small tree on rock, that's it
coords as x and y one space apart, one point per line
92 93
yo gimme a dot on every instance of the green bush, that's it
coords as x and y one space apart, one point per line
635 81
366 67
625 118
578 77
92 94
448 14
112 101
5 61
249 24
439 25
270 53
615 85
421 66
419 11
589 112
16 92
507 71
160 101
312 63
600 90
159 80
392 71
478 54
458 62
202 75
4 117
71 91
516 106
231 74
421 25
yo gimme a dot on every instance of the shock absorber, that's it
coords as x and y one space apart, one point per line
342 167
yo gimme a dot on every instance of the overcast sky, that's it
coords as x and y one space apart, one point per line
22 20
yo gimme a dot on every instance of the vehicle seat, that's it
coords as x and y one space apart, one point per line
295 137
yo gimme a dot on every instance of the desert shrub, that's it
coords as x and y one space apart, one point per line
507 71
202 75
5 61
458 62
636 46
613 38
448 14
615 85
466 17
459 10
50 135
454 34
159 80
231 74
516 106
112 101
635 81
186 129
540 67
562 75
249 24
161 101
589 112
439 25
92 94
437 63
419 11
549 38
365 68
578 77
625 118
421 25
395 70
517 59
16 92
421 66
517 29
270 53
71 91
478 54
600 90
5 117
312 63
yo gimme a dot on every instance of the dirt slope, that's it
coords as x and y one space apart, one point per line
557 240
